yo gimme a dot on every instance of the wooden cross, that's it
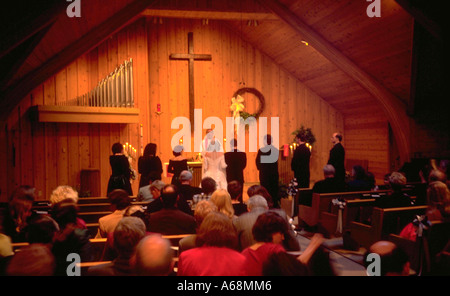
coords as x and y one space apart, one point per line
191 57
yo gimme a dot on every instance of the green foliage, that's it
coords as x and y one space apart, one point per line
310 138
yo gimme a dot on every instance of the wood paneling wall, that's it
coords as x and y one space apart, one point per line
49 154
367 140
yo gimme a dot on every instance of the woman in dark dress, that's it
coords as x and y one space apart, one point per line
177 165
149 166
121 173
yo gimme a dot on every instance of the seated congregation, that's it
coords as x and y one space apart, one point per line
186 231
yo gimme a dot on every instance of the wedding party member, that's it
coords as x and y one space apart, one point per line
268 171
337 157
149 166
300 162
121 173
214 166
236 162
177 164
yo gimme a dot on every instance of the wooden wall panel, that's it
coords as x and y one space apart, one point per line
58 152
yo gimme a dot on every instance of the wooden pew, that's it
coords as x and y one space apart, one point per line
321 202
422 253
383 223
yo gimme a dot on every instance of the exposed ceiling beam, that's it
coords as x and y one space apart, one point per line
30 26
92 39
209 14
392 106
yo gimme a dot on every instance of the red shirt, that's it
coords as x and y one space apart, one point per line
211 261
256 258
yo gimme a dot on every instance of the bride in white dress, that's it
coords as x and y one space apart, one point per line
214 166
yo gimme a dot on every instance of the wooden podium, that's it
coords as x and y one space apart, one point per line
195 166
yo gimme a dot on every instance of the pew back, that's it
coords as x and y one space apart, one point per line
384 222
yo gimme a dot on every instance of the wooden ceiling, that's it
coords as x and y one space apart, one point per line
346 44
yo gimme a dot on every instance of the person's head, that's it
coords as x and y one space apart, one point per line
150 150
177 150
257 201
233 144
394 260
336 138
235 190
270 227
260 190
119 199
358 172
156 187
438 195
154 256
202 209
20 205
24 190
62 192
397 181
437 175
32 260
208 185
117 148
169 196
268 139
329 171
127 234
185 177
209 133
301 138
41 229
217 230
65 212
221 198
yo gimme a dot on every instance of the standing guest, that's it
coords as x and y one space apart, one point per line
268 231
127 234
120 201
329 184
154 256
177 164
337 158
267 165
235 190
222 199
149 165
300 162
185 189
236 162
170 220
121 173
216 254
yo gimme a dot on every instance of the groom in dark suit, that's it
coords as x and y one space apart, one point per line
337 158
236 162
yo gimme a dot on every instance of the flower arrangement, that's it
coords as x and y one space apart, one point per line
307 132
292 187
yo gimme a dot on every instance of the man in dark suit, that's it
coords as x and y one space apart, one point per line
267 165
236 162
337 158
185 189
170 220
300 162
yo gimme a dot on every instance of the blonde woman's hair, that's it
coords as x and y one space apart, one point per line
222 199
63 192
